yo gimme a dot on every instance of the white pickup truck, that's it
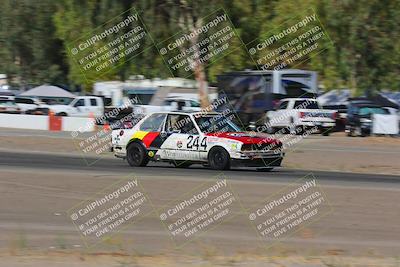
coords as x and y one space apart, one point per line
81 106
169 104
298 115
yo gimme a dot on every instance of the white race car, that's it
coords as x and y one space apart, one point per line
185 138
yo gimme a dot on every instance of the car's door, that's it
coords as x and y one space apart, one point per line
79 108
182 138
95 107
280 117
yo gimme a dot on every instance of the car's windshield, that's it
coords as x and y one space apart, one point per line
306 104
372 110
216 123
24 101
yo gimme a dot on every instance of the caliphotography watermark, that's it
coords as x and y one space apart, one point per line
289 210
297 40
109 211
185 51
199 211
119 40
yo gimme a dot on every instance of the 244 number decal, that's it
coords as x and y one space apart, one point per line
193 141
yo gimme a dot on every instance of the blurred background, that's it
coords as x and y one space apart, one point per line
349 87
361 60
34 36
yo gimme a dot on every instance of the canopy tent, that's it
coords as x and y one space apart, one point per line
45 91
393 97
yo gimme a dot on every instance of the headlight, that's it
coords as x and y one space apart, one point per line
235 146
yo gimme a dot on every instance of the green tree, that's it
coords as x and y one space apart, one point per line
29 51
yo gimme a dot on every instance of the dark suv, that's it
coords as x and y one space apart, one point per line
359 117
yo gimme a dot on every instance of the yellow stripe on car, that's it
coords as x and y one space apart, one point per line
139 135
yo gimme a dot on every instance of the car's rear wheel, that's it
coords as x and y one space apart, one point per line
136 155
219 159
363 134
350 131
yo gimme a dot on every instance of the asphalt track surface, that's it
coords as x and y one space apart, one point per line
43 161
38 188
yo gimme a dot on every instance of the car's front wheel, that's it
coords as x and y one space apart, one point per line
136 155
269 129
325 131
219 159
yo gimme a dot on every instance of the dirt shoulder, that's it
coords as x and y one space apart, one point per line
379 155
65 258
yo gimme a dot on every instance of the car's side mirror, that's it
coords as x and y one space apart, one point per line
163 133
127 125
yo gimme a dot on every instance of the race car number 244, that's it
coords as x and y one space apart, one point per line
193 141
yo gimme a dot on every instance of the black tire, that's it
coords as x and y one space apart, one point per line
299 130
181 164
219 159
350 132
326 132
62 114
269 129
136 155
360 132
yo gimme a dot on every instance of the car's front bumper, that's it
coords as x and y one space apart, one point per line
317 124
118 151
257 159
260 162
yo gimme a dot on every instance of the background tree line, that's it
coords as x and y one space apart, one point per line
365 56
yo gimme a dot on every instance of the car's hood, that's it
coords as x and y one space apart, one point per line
246 138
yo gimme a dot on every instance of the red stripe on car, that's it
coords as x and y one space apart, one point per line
246 138
149 138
